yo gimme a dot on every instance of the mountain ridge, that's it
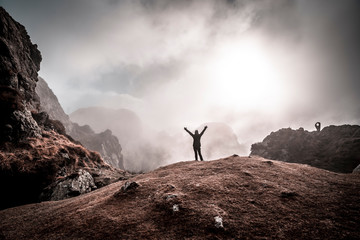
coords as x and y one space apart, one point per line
104 142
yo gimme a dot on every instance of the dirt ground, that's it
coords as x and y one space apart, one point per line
230 198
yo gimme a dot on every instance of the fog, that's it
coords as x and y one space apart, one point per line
255 66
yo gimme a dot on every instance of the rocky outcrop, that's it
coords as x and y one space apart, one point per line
20 62
335 148
35 153
50 104
105 142
73 185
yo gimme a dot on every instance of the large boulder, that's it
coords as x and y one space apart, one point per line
73 185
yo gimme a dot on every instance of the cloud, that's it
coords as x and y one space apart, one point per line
256 65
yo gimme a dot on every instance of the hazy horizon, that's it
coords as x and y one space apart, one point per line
256 66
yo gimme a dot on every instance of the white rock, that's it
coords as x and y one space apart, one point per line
175 208
218 222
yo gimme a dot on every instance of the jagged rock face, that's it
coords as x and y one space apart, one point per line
105 143
335 148
20 62
50 104
20 59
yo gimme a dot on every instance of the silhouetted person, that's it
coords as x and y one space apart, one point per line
197 144
318 126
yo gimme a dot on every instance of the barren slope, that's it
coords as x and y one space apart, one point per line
256 199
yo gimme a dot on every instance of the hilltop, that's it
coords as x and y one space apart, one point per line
231 198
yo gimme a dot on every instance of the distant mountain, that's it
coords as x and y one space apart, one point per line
38 160
231 198
220 140
141 152
124 123
105 143
335 148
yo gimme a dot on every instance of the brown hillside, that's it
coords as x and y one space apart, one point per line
31 170
255 198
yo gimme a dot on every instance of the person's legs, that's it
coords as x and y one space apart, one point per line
201 158
195 151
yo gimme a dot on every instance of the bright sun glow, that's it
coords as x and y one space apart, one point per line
242 76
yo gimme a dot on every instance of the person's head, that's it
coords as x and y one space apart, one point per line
196 132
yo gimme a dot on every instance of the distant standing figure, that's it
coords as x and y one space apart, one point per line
318 126
197 144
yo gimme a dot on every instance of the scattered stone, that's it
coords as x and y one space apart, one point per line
218 222
175 208
171 196
286 194
65 155
170 186
129 186
247 174
269 162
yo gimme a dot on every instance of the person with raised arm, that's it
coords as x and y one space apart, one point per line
196 144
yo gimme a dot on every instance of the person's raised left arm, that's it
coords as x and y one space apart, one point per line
189 132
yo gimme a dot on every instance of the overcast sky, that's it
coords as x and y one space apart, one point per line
256 65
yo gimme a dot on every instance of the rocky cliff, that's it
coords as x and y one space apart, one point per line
105 142
335 148
36 155
20 62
